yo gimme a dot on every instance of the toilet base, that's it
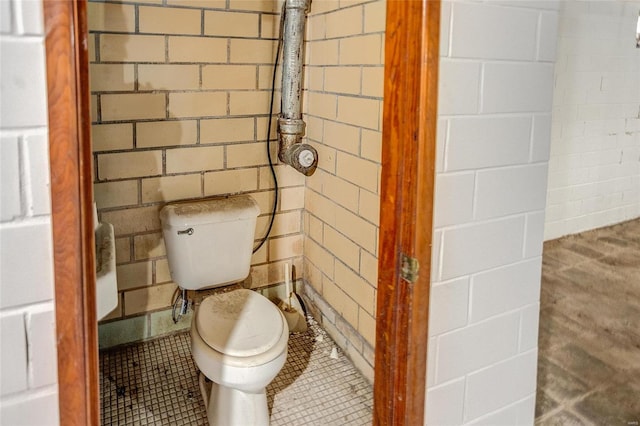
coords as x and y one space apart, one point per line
231 407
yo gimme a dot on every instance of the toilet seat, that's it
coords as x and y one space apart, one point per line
239 323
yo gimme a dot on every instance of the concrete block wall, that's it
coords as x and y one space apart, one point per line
180 95
594 170
28 361
343 105
496 87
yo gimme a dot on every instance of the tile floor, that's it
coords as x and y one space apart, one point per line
589 342
156 383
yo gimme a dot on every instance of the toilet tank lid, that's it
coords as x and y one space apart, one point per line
216 210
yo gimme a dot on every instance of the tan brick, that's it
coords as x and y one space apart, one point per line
129 164
342 79
270 26
224 130
341 247
322 105
265 77
371 145
321 207
133 106
168 77
252 51
111 77
375 15
361 50
345 22
319 256
247 103
312 275
116 194
229 77
323 52
285 247
168 20
134 275
148 246
326 157
92 48
166 133
349 3
109 137
367 326
342 136
94 108
116 313
315 229
163 274
183 160
361 172
123 250
341 191
324 6
230 181
261 128
133 220
373 81
171 188
246 155
369 206
197 49
260 256
315 128
230 24
314 79
316 27
131 48
265 201
359 111
369 267
205 4
355 286
283 224
357 229
111 17
148 299
292 198
340 302
287 176
197 104
257 5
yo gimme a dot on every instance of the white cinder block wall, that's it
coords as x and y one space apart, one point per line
28 362
594 169
496 88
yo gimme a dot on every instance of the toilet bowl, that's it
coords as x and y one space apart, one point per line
238 338
239 341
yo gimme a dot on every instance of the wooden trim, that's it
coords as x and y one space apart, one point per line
408 162
72 218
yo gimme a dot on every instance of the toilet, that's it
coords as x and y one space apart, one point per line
238 337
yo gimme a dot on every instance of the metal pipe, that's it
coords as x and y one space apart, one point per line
291 127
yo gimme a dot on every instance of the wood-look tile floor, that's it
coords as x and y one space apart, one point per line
589 342
156 383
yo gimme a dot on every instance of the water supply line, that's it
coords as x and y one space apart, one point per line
291 128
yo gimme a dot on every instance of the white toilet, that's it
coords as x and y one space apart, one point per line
238 338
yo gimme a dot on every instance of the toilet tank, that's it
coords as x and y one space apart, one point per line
209 243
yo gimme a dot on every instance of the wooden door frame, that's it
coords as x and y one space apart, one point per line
408 159
406 206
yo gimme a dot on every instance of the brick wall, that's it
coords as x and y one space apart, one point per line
594 170
28 361
496 86
180 95
343 105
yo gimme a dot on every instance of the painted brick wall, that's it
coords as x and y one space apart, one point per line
343 105
180 92
496 86
28 362
594 170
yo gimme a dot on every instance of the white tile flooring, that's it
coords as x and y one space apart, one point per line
156 383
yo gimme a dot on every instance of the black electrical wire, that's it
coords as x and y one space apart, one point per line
273 171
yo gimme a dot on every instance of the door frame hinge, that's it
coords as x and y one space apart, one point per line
409 268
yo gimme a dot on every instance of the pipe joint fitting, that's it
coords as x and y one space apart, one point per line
302 157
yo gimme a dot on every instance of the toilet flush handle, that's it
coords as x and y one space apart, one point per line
188 231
